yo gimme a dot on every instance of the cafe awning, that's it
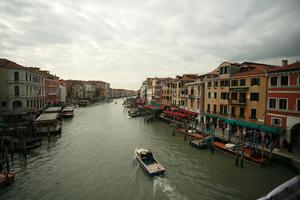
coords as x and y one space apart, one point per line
151 107
211 115
247 124
230 121
271 129
176 114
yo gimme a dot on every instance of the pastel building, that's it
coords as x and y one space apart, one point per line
21 87
283 104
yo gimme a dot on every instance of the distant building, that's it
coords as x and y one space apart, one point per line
51 88
62 93
177 84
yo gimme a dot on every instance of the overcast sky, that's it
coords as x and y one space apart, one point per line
125 41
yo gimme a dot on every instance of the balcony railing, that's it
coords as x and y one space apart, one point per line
183 96
191 96
238 102
238 88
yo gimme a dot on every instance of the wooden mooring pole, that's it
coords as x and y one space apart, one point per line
237 151
242 156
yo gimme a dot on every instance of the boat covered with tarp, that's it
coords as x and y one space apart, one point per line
68 111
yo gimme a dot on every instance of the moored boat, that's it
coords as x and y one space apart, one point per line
7 178
83 102
48 123
148 162
248 153
200 144
68 111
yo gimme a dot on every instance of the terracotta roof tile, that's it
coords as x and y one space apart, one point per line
249 68
10 64
290 67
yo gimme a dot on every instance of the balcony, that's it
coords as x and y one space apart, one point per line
237 102
238 88
52 93
184 96
191 96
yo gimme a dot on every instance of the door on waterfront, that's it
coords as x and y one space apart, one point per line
295 135
17 104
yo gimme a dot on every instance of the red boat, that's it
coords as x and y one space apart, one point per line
7 178
248 153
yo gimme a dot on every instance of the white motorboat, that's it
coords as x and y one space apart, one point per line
148 162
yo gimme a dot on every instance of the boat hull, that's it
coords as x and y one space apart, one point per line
155 169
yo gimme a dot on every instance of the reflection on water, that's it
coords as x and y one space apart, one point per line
93 159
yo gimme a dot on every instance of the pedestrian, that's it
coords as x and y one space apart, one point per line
285 144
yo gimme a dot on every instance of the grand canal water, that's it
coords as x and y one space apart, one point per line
93 159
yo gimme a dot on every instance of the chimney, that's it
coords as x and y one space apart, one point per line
284 63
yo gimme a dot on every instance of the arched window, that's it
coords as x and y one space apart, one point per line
16 76
17 90
17 104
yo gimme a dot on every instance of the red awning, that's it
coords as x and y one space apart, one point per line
188 112
150 107
176 114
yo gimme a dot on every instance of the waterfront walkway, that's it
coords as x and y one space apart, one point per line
293 156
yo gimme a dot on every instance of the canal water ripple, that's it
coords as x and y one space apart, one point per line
93 159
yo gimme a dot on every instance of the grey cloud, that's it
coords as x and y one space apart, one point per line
119 40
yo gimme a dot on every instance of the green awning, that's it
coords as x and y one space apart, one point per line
247 124
222 118
211 115
270 129
230 121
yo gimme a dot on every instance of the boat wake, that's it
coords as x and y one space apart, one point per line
164 185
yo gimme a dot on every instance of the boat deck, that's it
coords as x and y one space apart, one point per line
247 153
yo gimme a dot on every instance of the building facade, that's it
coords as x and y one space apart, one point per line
283 105
21 87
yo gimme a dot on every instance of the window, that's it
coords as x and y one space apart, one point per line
253 113
215 95
242 112
233 96
254 96
298 105
255 81
223 70
216 84
16 76
242 97
234 83
233 111
26 76
215 108
243 82
223 109
274 81
276 121
208 107
27 103
283 104
224 83
284 80
3 104
272 103
209 84
17 90
224 95
209 95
